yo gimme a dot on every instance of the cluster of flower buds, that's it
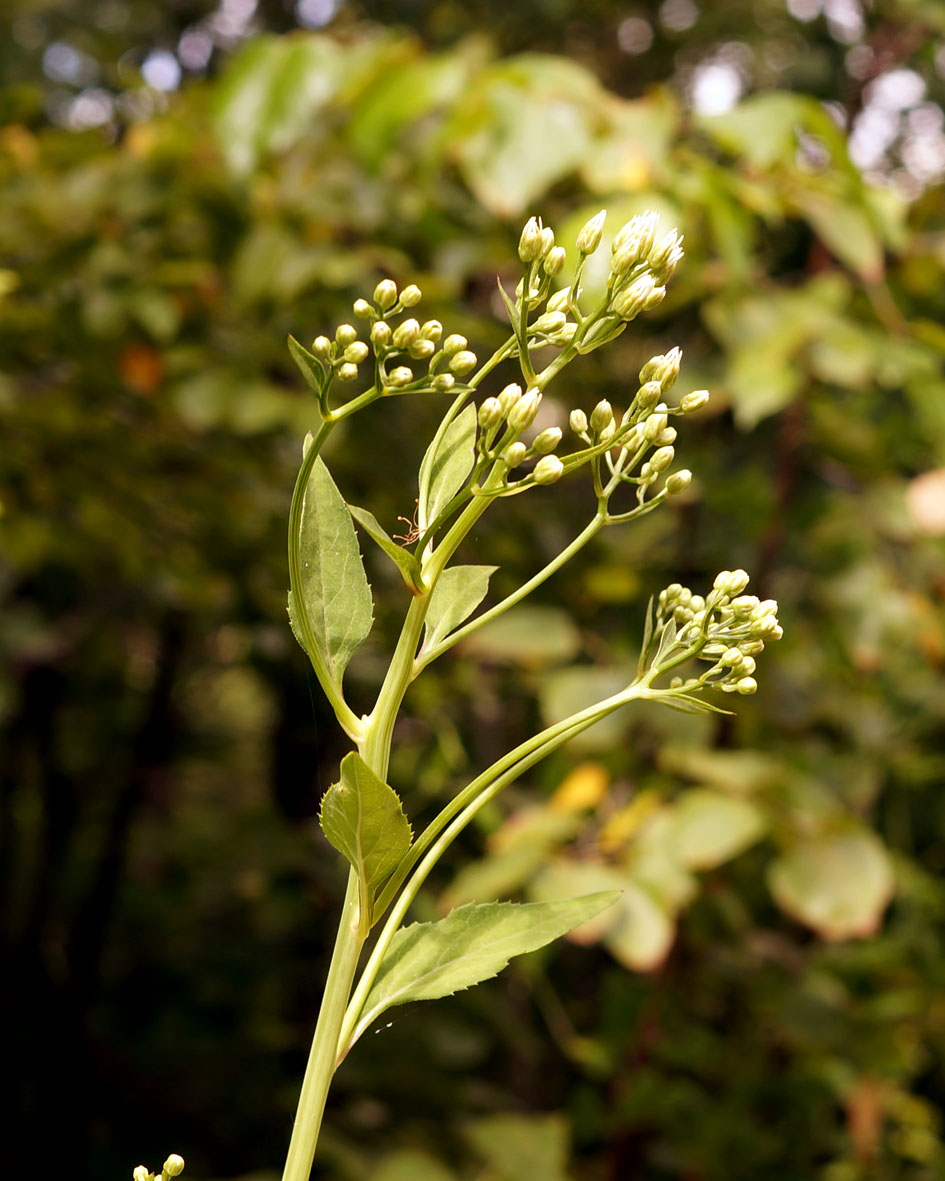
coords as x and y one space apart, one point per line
173 1167
641 265
537 245
503 419
727 628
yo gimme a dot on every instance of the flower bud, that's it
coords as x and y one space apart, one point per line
454 344
549 322
420 350
589 238
694 401
663 368
666 256
667 438
547 241
347 371
463 362
357 352
321 347
634 241
362 309
678 481
560 301
529 244
648 395
400 376
578 422
142 1174
380 333
509 398
523 413
548 469
410 296
547 441
601 416
174 1165
432 330
490 414
654 426
608 432
385 294
554 261
345 334
660 460
405 334
444 382
564 335
512 456
641 295
747 685
731 582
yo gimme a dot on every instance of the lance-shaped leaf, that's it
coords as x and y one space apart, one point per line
473 943
406 563
334 588
364 819
446 466
458 592
309 365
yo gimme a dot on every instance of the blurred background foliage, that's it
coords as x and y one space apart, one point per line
186 183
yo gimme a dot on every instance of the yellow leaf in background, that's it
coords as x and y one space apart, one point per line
627 822
583 789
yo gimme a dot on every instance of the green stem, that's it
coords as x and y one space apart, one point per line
324 1051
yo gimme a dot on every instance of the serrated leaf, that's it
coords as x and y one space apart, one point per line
449 462
363 818
473 943
309 365
839 884
404 560
334 587
458 592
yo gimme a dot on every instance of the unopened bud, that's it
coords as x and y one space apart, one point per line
548 469
490 414
747 685
547 441
142 1174
560 301
385 294
589 238
509 398
347 371
654 426
463 362
400 376
444 382
731 582
663 368
549 322
432 330
512 456
678 481
694 401
345 334
454 344
641 295
362 309
668 437
601 416
547 241
648 395
578 422
660 460
357 352
420 350
321 347
634 241
554 261
410 296
381 333
529 244
405 334
174 1165
666 256
523 413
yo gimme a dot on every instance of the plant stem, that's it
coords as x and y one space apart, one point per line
324 1051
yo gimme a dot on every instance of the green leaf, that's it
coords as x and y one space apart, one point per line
458 592
410 1165
448 462
311 368
846 229
839 885
363 818
404 560
709 828
334 587
430 960
517 1146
